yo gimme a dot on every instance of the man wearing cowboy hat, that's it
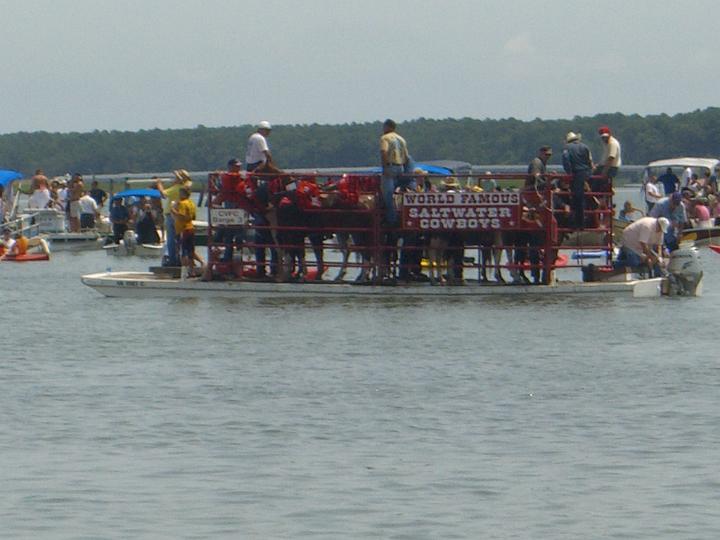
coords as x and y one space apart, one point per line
171 196
577 161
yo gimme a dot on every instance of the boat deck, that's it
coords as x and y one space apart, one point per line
147 284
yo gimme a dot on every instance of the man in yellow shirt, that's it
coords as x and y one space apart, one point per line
170 196
393 157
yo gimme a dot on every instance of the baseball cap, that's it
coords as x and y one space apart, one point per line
664 224
264 125
604 130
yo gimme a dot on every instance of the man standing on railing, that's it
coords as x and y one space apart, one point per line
394 157
612 155
258 151
577 161
538 167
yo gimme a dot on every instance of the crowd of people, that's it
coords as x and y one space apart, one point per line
254 194
69 195
581 201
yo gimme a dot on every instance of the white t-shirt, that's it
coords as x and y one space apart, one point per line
256 147
686 176
612 149
652 193
39 199
87 205
643 230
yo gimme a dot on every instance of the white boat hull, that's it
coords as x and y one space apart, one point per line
137 250
147 284
69 241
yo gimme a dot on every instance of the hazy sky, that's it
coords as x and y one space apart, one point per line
80 65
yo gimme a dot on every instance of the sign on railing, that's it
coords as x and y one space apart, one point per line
220 217
460 211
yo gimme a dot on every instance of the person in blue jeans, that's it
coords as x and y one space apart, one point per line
394 158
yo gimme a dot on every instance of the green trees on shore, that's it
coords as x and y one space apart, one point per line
505 141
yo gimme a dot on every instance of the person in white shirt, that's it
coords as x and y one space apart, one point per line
258 151
40 198
612 155
686 177
88 211
651 191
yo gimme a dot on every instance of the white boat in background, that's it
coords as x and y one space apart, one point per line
51 225
129 246
702 236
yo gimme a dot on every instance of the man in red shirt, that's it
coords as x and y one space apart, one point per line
231 195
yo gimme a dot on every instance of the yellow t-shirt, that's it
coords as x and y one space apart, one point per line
172 194
395 148
184 217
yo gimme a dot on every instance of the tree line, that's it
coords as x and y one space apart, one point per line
499 142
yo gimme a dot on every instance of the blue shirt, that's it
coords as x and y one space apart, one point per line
669 182
576 157
677 216
119 213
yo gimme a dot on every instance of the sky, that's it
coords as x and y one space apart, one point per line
85 65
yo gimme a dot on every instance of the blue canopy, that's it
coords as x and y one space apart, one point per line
430 169
8 176
139 193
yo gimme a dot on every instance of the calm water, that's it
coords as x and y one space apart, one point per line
555 418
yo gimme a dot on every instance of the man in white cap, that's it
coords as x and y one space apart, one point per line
258 151
577 161
642 243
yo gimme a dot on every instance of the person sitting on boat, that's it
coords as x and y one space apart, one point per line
629 213
20 245
145 229
119 217
699 213
673 209
642 244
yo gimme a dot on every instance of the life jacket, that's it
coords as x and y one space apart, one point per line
228 186
308 195
22 245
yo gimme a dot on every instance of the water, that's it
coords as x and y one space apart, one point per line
558 418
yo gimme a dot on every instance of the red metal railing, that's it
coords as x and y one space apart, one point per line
242 218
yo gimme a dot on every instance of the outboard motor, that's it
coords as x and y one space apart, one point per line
130 241
685 271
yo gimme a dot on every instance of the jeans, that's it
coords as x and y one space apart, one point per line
390 176
578 197
628 258
171 247
264 236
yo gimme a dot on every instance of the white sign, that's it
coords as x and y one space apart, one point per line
228 216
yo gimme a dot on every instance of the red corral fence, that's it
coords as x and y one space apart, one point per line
302 227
